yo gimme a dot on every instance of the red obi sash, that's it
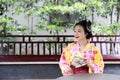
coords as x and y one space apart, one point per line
80 70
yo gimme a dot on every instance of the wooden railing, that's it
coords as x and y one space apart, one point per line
50 47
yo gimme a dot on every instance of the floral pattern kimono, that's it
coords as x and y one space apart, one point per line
90 52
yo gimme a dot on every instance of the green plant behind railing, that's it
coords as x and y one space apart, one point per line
104 29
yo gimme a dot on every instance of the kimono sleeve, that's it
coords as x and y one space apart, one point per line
64 59
98 64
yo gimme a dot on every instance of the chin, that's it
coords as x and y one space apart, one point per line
77 40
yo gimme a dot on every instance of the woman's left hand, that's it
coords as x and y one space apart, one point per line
89 63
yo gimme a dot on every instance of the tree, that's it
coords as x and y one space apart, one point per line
57 15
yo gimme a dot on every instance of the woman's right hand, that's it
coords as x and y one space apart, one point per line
67 70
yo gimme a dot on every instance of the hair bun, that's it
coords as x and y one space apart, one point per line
88 22
85 22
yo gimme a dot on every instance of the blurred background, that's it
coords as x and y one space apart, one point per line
33 34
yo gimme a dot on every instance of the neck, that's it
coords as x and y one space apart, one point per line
83 43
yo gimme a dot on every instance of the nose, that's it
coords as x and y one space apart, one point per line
76 33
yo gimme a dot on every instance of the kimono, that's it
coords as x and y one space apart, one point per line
90 52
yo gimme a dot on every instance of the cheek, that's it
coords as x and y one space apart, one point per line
82 36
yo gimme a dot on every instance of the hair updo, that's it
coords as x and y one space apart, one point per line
86 24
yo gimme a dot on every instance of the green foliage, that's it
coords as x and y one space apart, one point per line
75 8
104 29
8 25
59 13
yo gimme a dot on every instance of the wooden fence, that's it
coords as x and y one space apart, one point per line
50 47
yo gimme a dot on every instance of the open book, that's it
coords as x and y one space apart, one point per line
78 61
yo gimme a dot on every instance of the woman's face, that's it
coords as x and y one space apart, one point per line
79 33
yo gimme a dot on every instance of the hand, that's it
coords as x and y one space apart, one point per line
67 70
89 63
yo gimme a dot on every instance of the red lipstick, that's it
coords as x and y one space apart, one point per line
77 37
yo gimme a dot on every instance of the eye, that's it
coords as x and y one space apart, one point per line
79 31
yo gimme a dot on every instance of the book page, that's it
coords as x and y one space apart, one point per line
78 61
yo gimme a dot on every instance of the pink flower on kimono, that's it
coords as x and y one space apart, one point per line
74 50
95 52
89 54
92 58
63 56
84 52
85 56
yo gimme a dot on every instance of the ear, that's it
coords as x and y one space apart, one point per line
86 35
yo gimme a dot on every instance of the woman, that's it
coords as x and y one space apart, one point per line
91 57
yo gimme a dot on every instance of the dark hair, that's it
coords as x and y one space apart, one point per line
86 24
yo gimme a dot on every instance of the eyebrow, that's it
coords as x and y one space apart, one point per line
79 29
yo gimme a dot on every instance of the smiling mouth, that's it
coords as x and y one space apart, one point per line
77 37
